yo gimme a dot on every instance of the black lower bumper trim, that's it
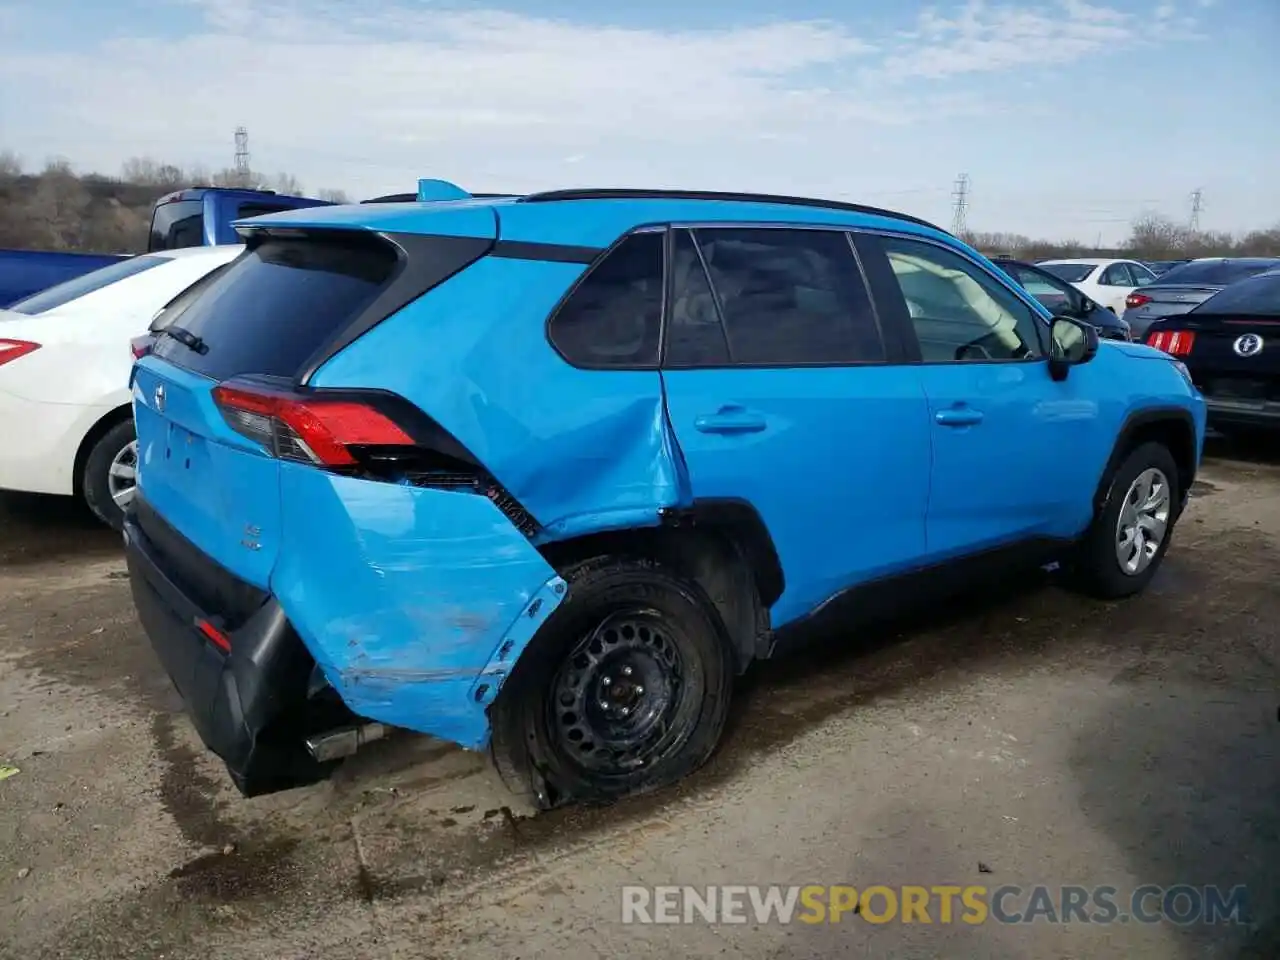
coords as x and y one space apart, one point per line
250 706
1242 414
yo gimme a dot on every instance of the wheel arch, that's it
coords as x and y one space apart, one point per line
1174 427
722 545
95 433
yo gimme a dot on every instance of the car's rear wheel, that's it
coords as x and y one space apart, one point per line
624 690
1130 534
110 475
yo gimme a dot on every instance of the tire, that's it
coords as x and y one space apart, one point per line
1099 568
96 482
624 625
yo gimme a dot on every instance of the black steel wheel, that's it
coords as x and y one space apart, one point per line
625 688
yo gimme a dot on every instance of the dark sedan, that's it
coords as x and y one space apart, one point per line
1230 344
1183 287
1062 298
1161 267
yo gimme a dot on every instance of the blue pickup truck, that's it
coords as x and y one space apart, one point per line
195 217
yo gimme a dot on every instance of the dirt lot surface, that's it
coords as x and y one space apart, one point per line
1023 738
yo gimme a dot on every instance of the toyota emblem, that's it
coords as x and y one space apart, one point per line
158 397
1247 345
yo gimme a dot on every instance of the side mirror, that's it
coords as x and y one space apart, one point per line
1071 342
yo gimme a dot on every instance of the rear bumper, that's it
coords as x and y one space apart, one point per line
249 705
1243 413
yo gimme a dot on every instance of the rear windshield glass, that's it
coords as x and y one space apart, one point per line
1070 272
84 284
176 225
277 304
1217 272
1258 296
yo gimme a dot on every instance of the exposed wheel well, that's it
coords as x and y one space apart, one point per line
96 433
1172 429
739 574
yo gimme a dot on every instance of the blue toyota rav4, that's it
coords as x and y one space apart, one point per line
543 474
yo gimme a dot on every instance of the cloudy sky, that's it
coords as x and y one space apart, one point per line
1069 116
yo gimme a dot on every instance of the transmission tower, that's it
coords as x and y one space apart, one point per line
1197 204
242 156
961 194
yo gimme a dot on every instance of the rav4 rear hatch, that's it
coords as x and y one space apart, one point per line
216 403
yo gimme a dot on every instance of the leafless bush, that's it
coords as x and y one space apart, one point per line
57 209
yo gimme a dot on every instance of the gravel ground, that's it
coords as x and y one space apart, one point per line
1025 737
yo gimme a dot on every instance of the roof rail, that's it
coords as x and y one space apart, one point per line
635 194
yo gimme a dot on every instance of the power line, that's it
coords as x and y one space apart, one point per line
1197 204
961 194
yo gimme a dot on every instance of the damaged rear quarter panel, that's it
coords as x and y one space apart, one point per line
583 450
414 601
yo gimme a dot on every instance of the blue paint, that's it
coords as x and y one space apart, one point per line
840 474
440 190
582 450
214 486
405 595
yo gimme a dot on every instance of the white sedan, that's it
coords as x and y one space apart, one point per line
1107 282
66 420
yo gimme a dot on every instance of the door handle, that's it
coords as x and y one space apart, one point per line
958 417
730 419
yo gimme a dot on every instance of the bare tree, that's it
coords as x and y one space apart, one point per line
10 164
333 195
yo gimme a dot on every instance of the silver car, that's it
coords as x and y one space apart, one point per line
1186 286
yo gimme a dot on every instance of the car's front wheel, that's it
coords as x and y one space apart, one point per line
625 689
1130 534
109 478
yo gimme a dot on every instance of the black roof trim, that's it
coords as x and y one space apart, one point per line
635 194
412 197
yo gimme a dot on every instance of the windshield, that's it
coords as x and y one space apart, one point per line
1217 272
1258 296
86 283
1070 272
177 225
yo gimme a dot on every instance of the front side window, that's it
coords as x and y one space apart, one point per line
613 318
789 297
1053 293
959 312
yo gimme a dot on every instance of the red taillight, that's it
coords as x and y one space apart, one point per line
140 346
1136 299
13 349
309 429
214 635
1175 342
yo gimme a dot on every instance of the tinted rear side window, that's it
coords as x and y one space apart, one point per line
177 225
790 297
278 304
1216 272
613 318
85 284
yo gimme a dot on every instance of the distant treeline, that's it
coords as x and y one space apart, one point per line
57 209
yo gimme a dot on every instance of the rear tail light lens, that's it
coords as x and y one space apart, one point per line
141 346
1178 343
13 349
1136 299
307 429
